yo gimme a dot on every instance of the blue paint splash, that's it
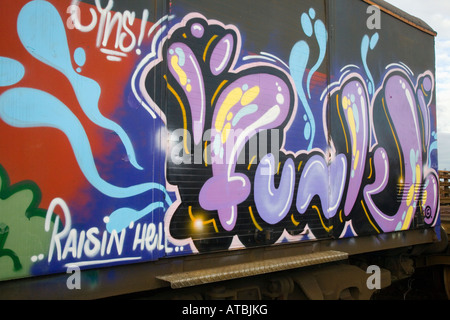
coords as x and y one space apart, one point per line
80 57
28 108
298 62
250 109
433 146
12 71
367 43
41 31
121 218
306 24
322 38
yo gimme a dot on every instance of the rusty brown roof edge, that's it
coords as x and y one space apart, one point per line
402 15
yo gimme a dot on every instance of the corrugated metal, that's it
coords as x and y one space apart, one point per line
199 277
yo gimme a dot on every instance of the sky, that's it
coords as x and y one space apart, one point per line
436 13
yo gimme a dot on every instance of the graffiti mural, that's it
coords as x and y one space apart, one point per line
137 132
282 185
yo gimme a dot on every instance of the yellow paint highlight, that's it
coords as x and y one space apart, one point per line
213 221
299 166
368 217
411 198
424 196
190 213
371 169
395 138
401 186
189 88
217 91
410 195
251 162
408 218
250 95
342 122
327 229
179 71
226 132
198 221
352 123
423 90
207 47
345 102
418 174
296 223
230 101
254 220
206 153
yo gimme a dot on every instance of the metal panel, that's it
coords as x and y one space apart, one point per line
204 276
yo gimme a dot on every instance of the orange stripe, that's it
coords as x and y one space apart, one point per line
401 18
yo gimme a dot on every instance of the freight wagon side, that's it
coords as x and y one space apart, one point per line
187 142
